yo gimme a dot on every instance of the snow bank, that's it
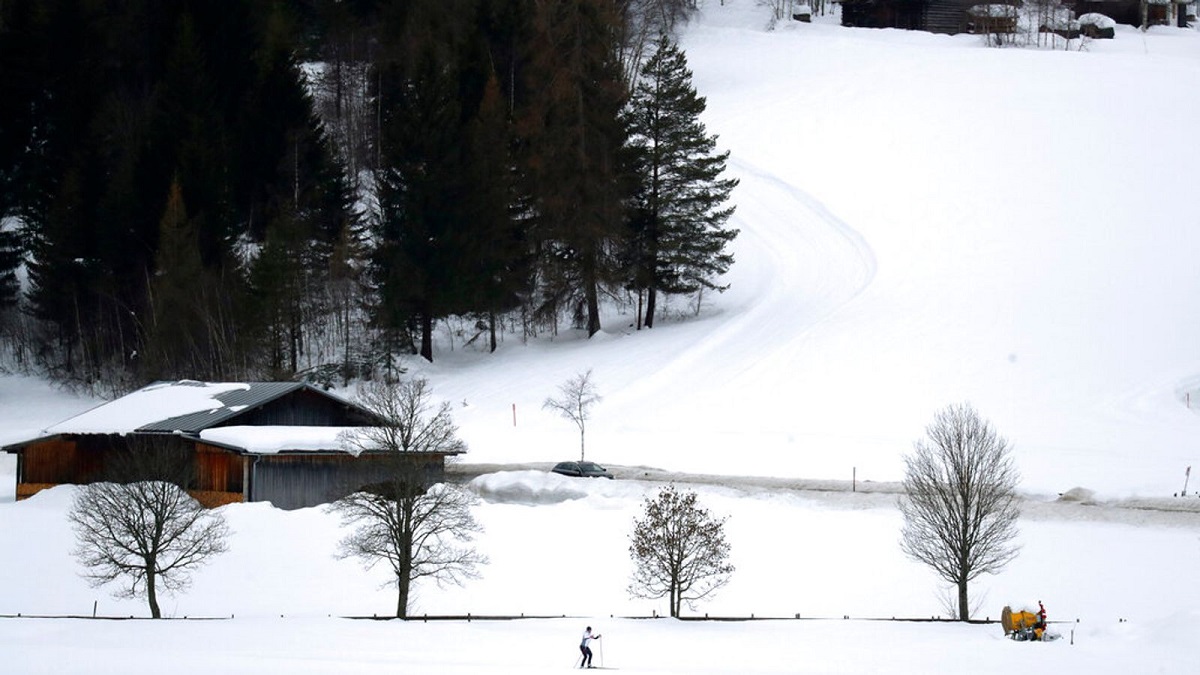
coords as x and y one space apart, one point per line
1097 20
543 487
270 440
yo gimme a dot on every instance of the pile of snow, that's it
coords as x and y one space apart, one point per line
270 440
1078 495
1097 20
534 487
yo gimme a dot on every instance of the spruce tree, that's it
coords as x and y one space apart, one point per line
10 260
498 260
572 140
420 191
113 101
678 238
448 242
175 328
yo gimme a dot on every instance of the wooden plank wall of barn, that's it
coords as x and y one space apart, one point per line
219 470
302 408
299 481
61 460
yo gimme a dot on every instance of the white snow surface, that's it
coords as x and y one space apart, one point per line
924 221
274 439
1098 20
153 403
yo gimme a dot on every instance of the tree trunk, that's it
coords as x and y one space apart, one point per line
402 585
151 593
964 612
639 310
404 516
590 291
651 305
427 337
492 332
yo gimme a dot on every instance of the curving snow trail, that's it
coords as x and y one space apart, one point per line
923 222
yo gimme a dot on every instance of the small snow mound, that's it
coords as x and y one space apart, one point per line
1097 20
527 487
1078 495
1024 606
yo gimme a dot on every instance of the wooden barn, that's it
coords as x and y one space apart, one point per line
935 16
278 442
1158 12
953 16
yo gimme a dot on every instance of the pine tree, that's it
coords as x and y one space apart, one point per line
175 329
573 140
10 259
498 259
448 241
420 191
116 100
305 204
678 229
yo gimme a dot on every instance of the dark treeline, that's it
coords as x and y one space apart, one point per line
243 189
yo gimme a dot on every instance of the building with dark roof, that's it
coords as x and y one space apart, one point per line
954 16
279 442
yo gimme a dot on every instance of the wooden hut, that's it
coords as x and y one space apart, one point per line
995 19
935 16
278 442
956 16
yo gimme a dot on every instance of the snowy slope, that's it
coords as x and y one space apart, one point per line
924 221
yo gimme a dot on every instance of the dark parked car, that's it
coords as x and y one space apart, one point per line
582 469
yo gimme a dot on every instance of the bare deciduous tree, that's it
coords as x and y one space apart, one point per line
420 530
679 550
960 505
640 22
575 399
149 534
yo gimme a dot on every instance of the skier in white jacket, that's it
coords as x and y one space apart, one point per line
586 662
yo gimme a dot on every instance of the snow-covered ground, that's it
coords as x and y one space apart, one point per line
924 221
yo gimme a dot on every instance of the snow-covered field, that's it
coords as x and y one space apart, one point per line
923 221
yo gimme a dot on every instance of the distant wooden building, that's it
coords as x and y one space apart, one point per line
1158 12
278 442
935 16
954 16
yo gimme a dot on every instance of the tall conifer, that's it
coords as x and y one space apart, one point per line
679 235
573 143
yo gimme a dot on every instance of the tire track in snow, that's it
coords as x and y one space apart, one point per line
796 264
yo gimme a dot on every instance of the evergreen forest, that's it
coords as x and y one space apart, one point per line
255 189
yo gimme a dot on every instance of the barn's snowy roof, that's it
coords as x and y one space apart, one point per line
228 404
185 406
276 439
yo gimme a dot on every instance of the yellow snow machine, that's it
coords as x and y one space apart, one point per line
1025 625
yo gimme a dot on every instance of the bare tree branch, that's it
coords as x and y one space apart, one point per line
575 399
419 531
960 506
150 534
679 550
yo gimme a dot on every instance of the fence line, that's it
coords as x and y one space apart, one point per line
469 617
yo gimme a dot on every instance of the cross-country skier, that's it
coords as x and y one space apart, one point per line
586 662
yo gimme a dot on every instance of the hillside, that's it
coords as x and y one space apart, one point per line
923 221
